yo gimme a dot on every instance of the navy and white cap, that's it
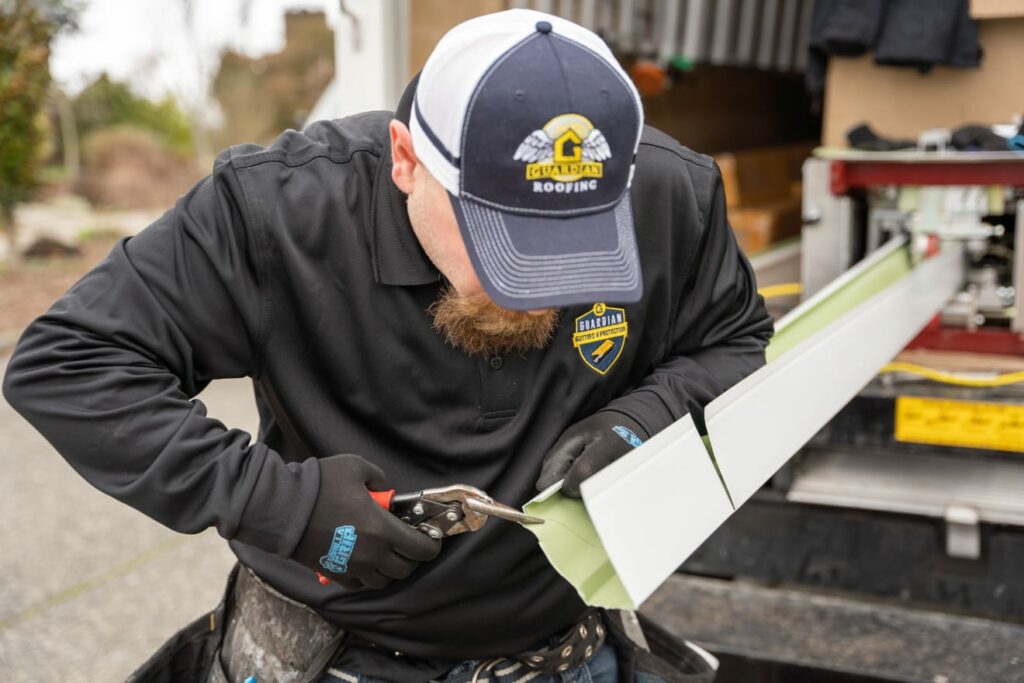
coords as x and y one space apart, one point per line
531 125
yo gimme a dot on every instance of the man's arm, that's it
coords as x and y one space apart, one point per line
108 372
717 337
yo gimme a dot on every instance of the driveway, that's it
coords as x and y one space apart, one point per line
90 587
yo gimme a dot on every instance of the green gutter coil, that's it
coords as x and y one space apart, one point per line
569 538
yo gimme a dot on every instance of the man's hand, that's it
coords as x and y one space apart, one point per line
353 541
588 446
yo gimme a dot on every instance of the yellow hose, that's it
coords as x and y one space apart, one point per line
947 378
792 288
787 289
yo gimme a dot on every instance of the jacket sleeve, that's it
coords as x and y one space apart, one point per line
719 331
107 375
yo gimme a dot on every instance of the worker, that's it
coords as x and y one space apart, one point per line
509 283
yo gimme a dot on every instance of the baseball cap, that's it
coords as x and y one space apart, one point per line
531 125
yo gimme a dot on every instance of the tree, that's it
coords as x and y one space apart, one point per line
105 103
28 27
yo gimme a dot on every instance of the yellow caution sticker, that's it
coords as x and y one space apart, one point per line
967 424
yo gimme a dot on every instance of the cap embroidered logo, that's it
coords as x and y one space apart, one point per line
566 149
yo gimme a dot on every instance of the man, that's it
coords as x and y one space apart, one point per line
450 296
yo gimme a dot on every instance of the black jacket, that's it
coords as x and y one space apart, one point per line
918 33
295 265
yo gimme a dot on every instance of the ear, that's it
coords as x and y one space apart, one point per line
403 158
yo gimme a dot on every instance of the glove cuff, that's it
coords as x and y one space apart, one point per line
627 421
280 505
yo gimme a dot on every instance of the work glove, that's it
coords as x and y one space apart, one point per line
352 540
587 447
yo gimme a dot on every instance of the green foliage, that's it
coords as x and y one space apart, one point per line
98 234
27 28
106 103
24 80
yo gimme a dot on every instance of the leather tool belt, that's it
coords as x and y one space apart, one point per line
291 637
257 631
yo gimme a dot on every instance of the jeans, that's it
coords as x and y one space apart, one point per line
603 667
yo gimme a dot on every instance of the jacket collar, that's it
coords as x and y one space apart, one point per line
398 258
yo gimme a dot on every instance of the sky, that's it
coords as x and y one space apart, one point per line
146 42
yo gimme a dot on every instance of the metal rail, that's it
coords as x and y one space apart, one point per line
758 425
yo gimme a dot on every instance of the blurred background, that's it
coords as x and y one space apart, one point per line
110 109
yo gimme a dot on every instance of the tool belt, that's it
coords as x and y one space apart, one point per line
273 637
258 631
253 622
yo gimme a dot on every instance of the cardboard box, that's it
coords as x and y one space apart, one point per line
759 227
997 9
763 193
762 175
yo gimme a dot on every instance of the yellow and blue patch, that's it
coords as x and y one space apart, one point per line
600 335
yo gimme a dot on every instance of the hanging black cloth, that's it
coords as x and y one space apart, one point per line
915 33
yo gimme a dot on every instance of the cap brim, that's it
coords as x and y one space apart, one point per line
528 262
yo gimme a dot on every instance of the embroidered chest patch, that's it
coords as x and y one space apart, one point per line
600 335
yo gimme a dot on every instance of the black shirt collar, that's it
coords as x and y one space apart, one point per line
398 258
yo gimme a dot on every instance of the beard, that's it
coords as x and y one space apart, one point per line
480 327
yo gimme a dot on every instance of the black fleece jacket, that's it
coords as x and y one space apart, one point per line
295 265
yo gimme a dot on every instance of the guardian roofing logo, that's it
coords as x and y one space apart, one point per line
600 336
566 155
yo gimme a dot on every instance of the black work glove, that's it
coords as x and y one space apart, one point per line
587 447
351 539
